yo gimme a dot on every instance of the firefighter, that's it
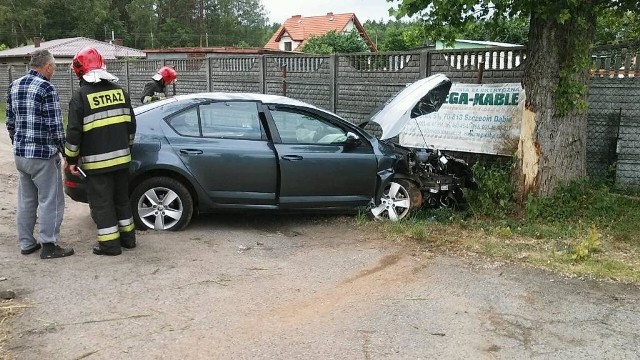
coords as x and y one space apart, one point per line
100 132
155 89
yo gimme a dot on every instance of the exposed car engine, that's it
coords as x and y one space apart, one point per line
441 176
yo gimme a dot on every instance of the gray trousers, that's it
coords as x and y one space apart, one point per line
40 196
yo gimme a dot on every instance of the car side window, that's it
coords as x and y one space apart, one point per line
303 128
186 122
231 119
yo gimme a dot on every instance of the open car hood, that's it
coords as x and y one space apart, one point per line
420 98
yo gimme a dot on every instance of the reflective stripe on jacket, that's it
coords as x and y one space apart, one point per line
101 128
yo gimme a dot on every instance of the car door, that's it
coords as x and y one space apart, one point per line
224 146
316 168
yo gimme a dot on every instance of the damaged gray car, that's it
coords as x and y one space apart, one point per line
223 152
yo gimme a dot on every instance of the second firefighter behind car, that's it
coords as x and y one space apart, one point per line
155 89
100 132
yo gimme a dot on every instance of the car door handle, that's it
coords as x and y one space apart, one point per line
291 157
190 151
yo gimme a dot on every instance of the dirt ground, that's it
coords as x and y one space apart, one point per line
295 287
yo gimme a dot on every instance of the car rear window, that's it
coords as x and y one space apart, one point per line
231 119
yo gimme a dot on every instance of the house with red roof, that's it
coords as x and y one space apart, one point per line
295 31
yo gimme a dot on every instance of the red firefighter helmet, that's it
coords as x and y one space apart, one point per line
167 74
86 60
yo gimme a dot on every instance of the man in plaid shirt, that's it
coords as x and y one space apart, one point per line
34 122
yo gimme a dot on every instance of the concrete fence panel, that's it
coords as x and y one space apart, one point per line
355 85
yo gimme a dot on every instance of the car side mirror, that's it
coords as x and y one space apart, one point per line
353 141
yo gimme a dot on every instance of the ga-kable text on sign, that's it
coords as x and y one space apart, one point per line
478 118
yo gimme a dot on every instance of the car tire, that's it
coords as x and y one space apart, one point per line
400 199
161 203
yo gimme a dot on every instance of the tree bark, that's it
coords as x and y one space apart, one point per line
552 147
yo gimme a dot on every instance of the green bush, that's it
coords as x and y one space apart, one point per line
495 199
567 213
575 205
584 200
588 246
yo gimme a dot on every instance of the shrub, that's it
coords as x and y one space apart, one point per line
495 199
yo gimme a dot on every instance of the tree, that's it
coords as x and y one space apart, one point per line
142 23
615 27
103 20
176 34
552 147
237 21
396 35
509 30
20 21
403 36
334 42
408 35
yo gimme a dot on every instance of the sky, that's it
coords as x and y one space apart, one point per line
280 10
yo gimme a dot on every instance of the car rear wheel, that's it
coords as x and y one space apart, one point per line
161 203
400 199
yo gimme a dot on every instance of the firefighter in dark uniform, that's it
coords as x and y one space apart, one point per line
155 89
100 132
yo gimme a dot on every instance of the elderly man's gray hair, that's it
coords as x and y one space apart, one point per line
40 58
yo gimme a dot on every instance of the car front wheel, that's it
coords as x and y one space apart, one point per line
161 203
399 199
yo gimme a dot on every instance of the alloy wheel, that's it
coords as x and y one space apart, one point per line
160 208
395 203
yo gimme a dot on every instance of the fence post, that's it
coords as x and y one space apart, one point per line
284 80
425 63
72 77
262 74
480 69
613 161
209 75
10 70
333 82
126 75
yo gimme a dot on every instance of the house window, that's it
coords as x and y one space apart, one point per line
287 46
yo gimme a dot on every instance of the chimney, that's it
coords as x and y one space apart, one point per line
118 42
329 14
36 41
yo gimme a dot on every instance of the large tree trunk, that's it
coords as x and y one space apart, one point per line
552 148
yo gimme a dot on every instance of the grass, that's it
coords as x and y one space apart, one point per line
586 229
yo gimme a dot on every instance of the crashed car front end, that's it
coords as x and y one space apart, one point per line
439 177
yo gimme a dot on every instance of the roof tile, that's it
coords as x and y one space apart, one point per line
69 47
301 28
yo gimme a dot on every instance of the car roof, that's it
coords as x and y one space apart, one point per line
228 96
